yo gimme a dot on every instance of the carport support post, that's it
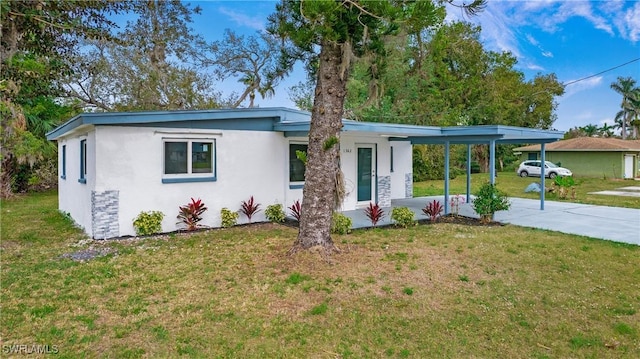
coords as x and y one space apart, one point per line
446 177
468 172
542 173
492 161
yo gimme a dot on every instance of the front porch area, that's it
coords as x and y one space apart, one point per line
416 204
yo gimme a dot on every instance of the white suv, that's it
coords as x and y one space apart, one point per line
532 168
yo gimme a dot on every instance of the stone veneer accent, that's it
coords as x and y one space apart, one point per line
408 185
104 214
384 191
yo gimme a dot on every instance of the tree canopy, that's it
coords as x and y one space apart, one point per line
335 34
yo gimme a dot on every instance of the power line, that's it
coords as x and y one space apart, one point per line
600 73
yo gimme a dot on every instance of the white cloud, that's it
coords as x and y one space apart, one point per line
253 22
534 67
547 53
582 85
583 9
632 23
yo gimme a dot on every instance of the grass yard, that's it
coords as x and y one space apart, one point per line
514 186
437 291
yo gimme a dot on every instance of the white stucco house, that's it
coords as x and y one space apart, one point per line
113 166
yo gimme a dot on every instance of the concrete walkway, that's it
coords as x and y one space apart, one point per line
602 222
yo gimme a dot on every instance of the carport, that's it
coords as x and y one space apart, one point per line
489 135
468 135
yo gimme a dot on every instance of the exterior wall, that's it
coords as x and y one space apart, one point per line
588 164
348 157
75 197
130 161
402 175
391 185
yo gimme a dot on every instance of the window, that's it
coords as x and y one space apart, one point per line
189 161
532 156
83 161
391 155
63 166
296 166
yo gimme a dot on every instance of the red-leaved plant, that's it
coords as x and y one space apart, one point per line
433 210
191 213
296 210
374 212
249 208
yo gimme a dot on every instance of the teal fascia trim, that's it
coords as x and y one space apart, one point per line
390 129
266 117
189 179
296 134
243 124
454 139
296 186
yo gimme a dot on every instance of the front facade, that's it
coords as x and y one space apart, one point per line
591 156
113 167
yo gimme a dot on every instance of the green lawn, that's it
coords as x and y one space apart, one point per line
514 186
440 290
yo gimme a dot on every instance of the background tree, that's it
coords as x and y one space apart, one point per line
606 130
340 31
154 65
625 86
442 76
252 60
634 112
36 39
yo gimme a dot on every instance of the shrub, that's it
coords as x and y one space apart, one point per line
488 201
275 213
147 223
229 219
340 223
433 209
249 208
403 216
564 184
191 213
296 210
374 212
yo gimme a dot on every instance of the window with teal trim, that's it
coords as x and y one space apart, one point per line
83 161
296 166
63 165
189 161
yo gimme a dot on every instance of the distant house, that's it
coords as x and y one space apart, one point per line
591 156
114 165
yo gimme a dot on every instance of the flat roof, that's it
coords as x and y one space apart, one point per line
295 123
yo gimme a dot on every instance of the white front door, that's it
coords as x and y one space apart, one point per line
628 166
366 173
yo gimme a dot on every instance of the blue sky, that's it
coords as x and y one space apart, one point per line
572 38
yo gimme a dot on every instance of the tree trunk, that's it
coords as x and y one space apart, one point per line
323 154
